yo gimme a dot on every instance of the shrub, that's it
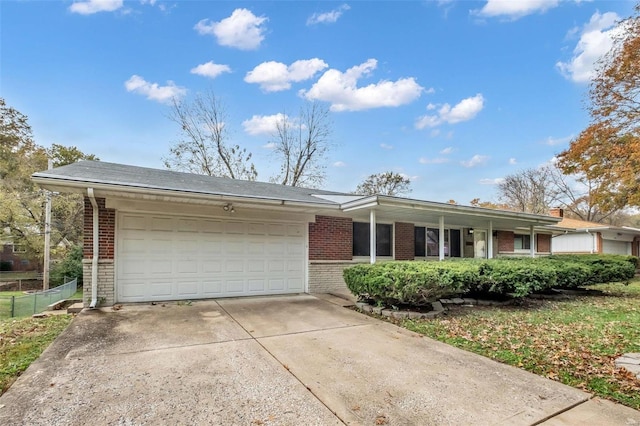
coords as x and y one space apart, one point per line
419 283
70 267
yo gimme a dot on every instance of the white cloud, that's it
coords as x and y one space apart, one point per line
513 161
464 110
242 29
411 178
262 124
514 9
551 141
476 160
210 69
341 89
89 7
596 39
425 160
386 146
153 91
275 76
448 150
328 17
269 145
495 181
339 164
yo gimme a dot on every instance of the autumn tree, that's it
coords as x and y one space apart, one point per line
204 146
386 183
607 152
22 212
301 144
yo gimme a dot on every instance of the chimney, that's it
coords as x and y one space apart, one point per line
557 212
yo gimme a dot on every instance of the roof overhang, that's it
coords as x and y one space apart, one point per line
418 211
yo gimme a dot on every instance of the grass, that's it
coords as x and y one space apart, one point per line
572 341
22 341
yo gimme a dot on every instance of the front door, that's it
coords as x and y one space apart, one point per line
480 244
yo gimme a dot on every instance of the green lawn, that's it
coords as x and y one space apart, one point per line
571 341
23 340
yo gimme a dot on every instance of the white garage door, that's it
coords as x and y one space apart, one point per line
169 258
616 247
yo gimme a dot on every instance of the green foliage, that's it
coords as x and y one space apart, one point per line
418 283
70 267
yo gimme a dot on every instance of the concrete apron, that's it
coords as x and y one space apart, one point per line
272 360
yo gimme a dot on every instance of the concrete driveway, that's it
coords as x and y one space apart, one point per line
271 360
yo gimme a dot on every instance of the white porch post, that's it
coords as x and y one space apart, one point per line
490 241
441 239
372 239
532 244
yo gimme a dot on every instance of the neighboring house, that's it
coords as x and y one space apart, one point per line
153 235
578 236
12 259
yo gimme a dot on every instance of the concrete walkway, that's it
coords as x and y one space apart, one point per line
277 361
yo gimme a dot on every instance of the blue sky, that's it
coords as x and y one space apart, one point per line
453 94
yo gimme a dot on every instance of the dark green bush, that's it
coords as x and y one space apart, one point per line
70 267
419 283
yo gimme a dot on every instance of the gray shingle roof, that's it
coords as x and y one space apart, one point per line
100 172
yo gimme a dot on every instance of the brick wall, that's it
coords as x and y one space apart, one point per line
106 284
326 277
107 227
331 238
505 242
404 241
543 244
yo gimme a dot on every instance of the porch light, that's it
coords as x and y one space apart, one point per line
470 231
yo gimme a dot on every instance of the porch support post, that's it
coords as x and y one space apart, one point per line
441 239
532 243
372 239
490 240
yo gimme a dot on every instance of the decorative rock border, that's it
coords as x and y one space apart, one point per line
438 308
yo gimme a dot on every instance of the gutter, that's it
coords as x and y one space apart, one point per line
96 249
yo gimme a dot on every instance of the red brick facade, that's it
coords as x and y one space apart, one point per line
543 243
331 238
404 241
107 228
505 242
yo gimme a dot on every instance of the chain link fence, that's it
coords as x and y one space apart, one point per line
29 304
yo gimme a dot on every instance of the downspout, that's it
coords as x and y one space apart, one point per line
96 249
593 242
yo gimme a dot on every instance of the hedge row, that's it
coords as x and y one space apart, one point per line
419 283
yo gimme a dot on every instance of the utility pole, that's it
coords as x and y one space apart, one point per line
47 236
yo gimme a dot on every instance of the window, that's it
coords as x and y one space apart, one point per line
521 242
19 248
433 242
361 238
420 239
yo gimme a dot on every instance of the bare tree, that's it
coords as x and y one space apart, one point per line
387 183
301 144
204 147
529 190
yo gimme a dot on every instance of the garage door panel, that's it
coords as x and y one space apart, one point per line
256 284
161 288
162 224
235 286
170 257
294 284
133 222
188 288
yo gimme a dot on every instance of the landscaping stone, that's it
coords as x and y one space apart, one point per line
433 314
377 310
484 302
367 308
415 315
630 362
457 301
400 314
437 306
361 305
446 302
468 301
387 313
